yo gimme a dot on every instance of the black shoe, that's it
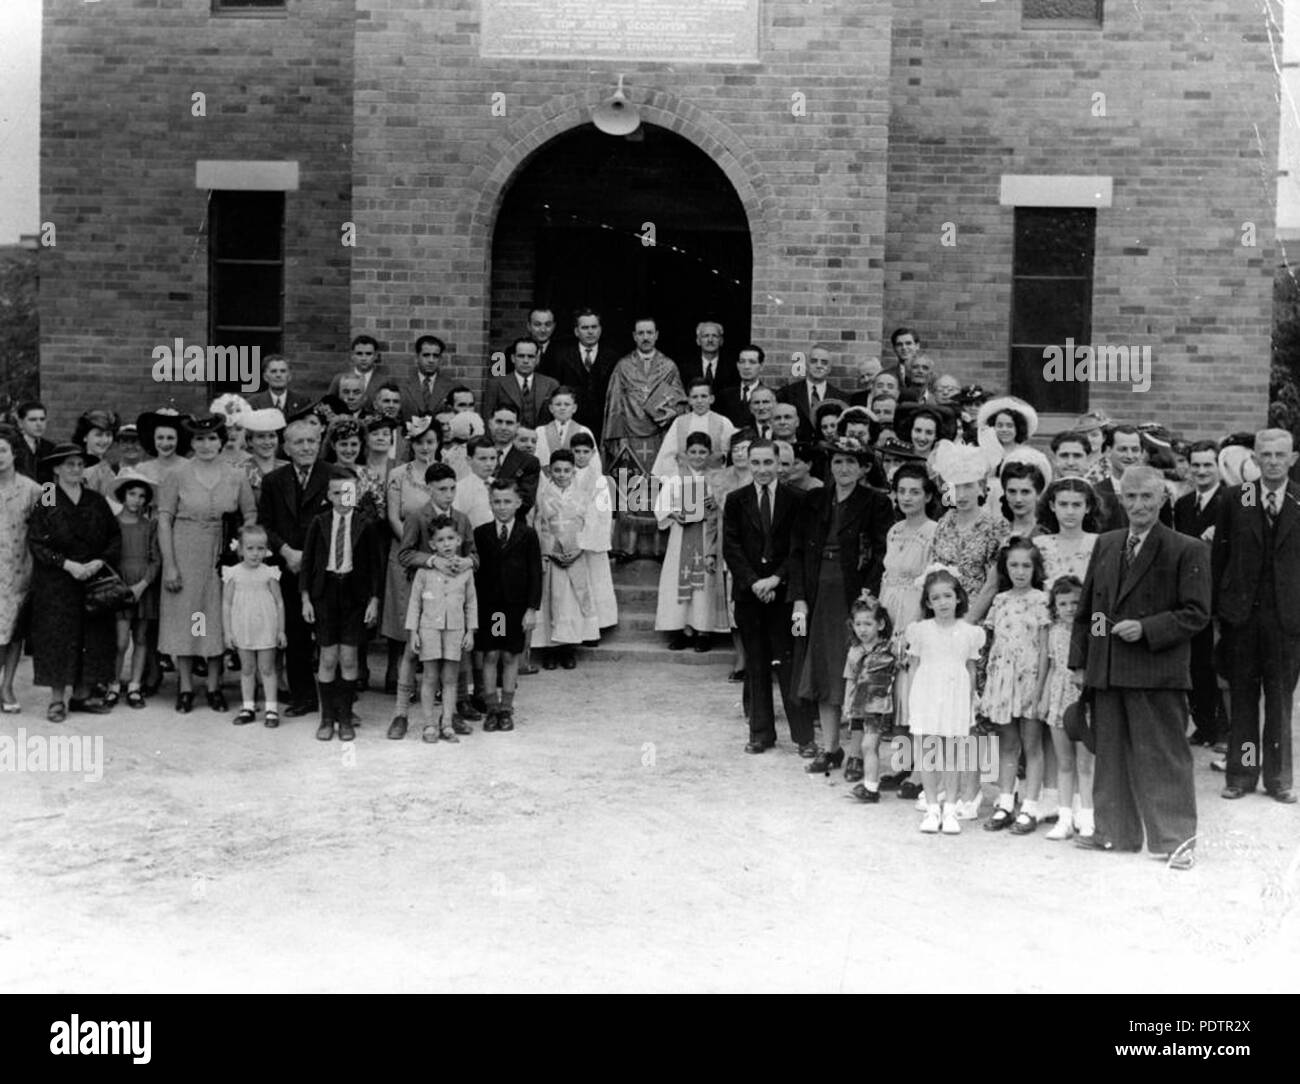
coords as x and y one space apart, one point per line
459 726
808 750
736 676
185 702
703 642
568 662
893 782
1001 818
1233 792
1286 797
466 710
272 720
217 700
325 731
346 731
244 717
505 719
908 790
861 793
530 669
478 704
678 641
397 728
824 762
492 722
548 661
301 707
89 705
760 745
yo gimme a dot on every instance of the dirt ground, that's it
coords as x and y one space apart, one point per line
619 839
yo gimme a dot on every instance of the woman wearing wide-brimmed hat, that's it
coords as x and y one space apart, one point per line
19 496
1005 426
192 501
262 429
95 432
838 550
165 441
71 538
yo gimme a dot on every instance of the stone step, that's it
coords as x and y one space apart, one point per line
620 650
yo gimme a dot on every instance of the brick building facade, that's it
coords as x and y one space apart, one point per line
875 157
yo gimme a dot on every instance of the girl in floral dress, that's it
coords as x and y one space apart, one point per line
1017 670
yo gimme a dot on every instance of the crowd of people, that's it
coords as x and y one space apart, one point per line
900 557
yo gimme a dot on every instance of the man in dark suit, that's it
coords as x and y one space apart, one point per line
276 391
513 465
366 359
733 402
584 366
1123 444
424 391
758 523
290 497
341 582
524 389
709 363
33 447
1146 594
1195 514
814 389
1257 600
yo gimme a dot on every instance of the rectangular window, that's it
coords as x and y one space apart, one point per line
246 272
1069 12
1051 300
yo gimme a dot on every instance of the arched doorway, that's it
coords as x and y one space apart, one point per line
570 234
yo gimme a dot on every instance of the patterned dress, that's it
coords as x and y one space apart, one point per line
1061 691
1016 618
972 550
1065 559
17 501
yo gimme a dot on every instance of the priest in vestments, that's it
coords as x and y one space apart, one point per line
645 396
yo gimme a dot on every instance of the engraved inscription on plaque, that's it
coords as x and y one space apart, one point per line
704 31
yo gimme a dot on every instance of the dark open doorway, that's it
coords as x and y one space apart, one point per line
570 235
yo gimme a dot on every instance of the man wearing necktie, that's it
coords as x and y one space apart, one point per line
528 391
585 366
758 526
1257 602
709 364
812 389
276 391
733 402
290 497
425 391
1195 514
1146 594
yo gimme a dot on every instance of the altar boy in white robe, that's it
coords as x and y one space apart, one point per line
568 612
598 530
700 418
692 605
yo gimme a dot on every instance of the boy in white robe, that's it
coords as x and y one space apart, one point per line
691 605
701 418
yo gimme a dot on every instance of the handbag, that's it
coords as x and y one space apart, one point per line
106 592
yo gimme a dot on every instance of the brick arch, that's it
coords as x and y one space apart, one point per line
525 137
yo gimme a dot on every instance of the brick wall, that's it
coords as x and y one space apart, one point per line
1190 137
432 164
118 146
